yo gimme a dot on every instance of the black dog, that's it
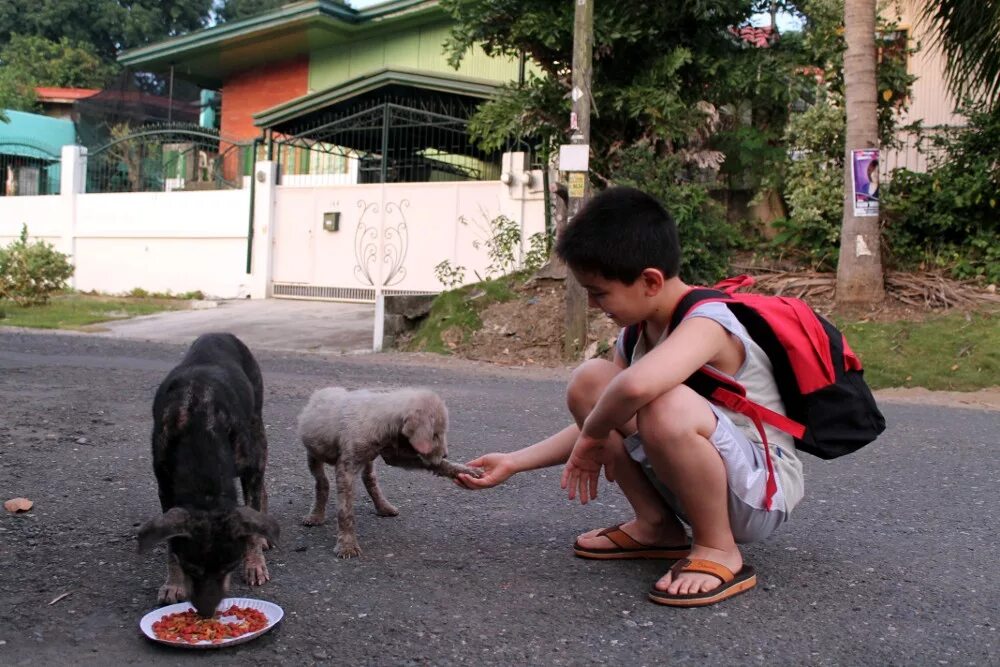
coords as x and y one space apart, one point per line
208 430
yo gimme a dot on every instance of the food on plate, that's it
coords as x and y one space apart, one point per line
187 626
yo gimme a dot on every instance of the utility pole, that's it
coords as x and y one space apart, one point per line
575 160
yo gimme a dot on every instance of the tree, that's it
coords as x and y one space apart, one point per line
235 10
111 26
860 279
30 61
660 72
967 33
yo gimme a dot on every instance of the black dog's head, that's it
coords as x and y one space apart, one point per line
208 547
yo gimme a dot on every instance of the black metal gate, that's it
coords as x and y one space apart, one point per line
161 158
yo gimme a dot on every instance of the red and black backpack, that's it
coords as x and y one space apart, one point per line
829 409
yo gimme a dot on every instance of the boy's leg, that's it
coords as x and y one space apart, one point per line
654 522
676 429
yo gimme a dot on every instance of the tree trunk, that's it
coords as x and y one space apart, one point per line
859 270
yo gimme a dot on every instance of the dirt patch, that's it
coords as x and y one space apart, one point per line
984 399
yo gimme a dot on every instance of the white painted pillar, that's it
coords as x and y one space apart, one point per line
262 255
378 331
72 181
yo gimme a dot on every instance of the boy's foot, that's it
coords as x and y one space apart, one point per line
632 540
706 576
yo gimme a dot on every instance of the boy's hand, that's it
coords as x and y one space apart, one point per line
584 468
496 469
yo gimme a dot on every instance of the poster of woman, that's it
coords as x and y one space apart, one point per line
865 176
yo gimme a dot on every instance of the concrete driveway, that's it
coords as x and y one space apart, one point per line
265 324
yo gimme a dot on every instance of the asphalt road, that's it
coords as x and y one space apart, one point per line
890 559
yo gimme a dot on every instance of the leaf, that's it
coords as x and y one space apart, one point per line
16 505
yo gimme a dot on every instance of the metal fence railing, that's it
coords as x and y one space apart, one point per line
28 168
168 158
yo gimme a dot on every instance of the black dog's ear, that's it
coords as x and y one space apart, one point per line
172 523
247 521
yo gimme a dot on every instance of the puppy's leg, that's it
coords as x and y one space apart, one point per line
173 589
347 540
318 514
445 468
382 506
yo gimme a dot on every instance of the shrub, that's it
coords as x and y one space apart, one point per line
949 217
30 273
707 238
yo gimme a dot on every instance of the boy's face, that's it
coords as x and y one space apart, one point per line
624 304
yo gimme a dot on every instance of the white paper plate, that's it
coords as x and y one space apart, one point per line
273 612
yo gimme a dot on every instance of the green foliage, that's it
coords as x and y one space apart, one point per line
448 275
958 351
455 314
812 179
538 252
30 273
949 217
706 236
140 293
814 185
235 10
110 26
967 34
28 61
72 311
660 72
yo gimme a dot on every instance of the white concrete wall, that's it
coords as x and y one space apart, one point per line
177 241
44 215
424 224
185 241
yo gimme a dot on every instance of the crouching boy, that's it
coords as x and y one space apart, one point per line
678 458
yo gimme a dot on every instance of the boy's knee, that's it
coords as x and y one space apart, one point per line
587 382
674 417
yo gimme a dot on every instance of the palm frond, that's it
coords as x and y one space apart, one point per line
968 33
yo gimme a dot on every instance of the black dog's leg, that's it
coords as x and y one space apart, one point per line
173 589
382 506
252 458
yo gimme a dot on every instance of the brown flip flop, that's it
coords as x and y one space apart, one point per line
732 584
626 547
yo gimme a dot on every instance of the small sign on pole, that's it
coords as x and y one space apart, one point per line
864 175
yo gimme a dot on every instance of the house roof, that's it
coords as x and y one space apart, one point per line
63 95
207 57
445 83
34 135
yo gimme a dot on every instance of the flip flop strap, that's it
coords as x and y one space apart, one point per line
705 567
620 538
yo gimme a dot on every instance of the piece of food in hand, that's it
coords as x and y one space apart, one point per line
188 626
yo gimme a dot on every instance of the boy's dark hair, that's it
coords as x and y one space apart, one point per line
618 234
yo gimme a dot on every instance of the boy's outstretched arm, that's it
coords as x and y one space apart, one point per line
696 341
497 467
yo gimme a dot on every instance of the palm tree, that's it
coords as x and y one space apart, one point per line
859 268
967 33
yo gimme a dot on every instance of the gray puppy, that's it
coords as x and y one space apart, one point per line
349 429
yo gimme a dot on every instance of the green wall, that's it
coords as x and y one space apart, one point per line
417 48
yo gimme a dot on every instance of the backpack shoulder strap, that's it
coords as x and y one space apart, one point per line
694 296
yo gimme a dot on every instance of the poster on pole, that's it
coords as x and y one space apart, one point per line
865 179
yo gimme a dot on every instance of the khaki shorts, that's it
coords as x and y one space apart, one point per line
746 474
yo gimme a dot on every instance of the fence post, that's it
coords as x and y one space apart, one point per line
262 256
72 181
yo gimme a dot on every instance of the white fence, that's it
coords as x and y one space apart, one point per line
388 238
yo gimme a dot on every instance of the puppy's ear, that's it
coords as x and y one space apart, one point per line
247 521
172 523
417 431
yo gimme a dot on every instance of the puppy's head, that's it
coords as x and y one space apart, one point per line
425 425
208 547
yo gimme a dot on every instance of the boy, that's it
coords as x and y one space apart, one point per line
674 455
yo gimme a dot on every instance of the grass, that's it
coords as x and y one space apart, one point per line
73 311
957 351
455 314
